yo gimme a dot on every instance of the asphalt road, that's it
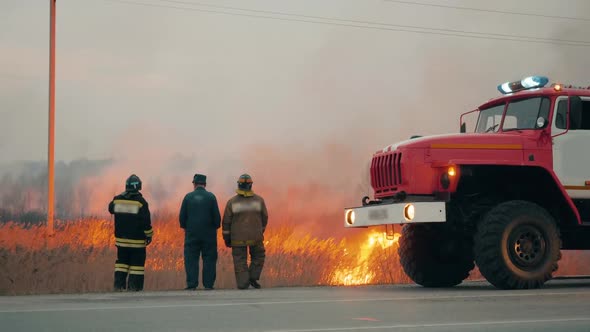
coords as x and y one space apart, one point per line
560 306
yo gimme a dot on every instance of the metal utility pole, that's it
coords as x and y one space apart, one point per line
51 141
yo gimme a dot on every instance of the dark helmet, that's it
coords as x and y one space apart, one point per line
245 182
133 183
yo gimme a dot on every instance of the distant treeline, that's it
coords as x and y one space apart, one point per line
23 189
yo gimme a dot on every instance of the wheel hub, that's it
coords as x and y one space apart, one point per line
527 246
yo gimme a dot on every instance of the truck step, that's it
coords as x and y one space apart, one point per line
580 277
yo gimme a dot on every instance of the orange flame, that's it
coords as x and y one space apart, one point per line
363 273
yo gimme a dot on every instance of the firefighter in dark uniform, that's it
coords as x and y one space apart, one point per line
244 222
200 219
133 232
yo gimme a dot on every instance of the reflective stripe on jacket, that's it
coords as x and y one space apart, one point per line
132 219
245 220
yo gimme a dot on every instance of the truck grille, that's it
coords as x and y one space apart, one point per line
386 172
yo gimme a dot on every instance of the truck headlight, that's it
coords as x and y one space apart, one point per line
349 217
409 212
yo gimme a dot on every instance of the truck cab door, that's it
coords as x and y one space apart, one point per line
571 149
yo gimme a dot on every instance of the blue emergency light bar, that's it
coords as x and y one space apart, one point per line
530 82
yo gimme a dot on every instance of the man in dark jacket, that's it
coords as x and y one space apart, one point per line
200 219
244 222
133 232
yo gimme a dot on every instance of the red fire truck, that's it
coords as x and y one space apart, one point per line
508 196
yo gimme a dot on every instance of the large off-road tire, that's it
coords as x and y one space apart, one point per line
517 245
433 256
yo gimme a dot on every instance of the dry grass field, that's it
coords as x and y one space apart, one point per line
80 258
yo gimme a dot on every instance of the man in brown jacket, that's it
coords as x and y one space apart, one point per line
244 222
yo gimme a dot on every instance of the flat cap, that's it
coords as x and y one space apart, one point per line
199 179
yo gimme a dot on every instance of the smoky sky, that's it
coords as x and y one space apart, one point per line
158 81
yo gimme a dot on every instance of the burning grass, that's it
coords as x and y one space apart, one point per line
80 258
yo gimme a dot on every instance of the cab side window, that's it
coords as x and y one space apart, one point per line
585 125
580 115
560 118
579 118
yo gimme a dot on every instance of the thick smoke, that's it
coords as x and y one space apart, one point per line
307 188
301 107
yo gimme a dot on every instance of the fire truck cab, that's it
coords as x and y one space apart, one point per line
508 196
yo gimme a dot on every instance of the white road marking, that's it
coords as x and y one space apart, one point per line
138 306
438 325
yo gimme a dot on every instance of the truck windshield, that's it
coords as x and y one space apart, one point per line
490 119
520 114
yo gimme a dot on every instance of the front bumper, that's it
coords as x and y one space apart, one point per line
395 213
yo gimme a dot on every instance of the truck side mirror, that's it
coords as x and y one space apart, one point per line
463 128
